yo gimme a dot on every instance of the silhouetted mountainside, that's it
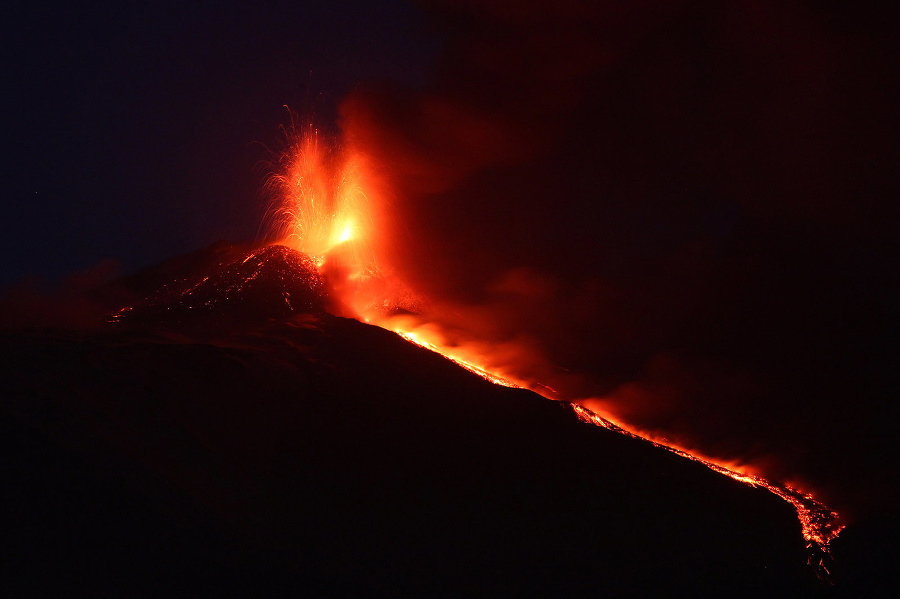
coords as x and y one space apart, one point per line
308 455
224 284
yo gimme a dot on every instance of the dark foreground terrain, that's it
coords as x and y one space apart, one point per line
308 455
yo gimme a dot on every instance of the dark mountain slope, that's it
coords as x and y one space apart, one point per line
309 455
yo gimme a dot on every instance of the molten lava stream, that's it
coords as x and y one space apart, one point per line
820 525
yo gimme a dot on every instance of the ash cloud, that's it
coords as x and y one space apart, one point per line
680 208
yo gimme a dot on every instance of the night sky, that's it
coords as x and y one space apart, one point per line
688 209
135 131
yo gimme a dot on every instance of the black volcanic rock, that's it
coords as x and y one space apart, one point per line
305 454
226 284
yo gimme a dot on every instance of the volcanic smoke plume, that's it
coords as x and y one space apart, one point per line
674 213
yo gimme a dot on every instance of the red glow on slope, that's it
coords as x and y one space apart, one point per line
464 362
820 524
327 205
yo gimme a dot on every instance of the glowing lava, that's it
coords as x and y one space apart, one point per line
820 524
449 354
324 207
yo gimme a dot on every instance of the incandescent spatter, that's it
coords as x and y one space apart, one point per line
227 285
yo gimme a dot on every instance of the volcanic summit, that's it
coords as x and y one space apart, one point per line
225 284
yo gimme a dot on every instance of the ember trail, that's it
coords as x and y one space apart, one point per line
324 204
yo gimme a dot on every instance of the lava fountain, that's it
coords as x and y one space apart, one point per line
322 202
325 203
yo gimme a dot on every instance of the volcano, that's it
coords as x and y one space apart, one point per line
222 433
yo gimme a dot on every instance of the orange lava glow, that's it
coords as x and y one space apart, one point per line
819 523
323 202
449 354
326 205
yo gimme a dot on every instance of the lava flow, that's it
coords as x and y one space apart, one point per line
324 205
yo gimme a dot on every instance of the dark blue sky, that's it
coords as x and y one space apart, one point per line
134 130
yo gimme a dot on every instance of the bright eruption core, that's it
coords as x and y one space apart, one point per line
325 201
322 206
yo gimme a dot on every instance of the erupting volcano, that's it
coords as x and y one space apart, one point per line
566 299
317 200
286 447
323 258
